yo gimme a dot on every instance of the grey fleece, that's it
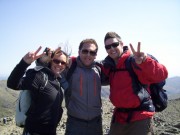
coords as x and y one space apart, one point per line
85 87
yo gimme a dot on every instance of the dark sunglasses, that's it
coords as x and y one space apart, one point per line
58 62
92 53
114 45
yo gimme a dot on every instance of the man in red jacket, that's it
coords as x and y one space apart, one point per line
126 119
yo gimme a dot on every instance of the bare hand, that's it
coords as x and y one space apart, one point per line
138 55
32 56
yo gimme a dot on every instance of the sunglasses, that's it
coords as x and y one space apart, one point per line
114 45
92 53
58 62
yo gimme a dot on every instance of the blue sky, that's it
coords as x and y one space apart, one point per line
25 25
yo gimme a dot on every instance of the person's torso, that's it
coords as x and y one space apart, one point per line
122 94
85 98
45 110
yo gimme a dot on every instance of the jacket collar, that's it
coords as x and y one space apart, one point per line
80 64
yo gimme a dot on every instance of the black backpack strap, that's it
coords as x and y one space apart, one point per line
98 67
71 69
138 87
67 92
45 78
104 78
139 90
43 85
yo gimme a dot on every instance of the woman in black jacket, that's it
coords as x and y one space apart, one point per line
45 111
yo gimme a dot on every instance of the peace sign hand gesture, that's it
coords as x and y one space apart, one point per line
138 56
32 56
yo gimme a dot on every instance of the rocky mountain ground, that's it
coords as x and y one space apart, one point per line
166 122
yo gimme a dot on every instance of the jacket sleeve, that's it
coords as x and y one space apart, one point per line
104 73
151 71
16 75
22 79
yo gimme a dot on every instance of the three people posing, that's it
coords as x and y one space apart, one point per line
84 97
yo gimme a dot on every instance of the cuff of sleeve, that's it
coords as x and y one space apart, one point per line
24 64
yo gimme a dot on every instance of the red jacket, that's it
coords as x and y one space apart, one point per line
121 91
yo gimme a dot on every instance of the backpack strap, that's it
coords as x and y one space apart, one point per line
139 89
98 67
104 78
67 92
136 84
71 69
45 78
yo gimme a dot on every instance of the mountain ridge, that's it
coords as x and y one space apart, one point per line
8 96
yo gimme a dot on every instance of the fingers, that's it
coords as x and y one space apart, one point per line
139 47
40 55
138 55
36 56
32 56
132 49
28 58
37 50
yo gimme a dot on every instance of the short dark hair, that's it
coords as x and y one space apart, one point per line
112 35
90 41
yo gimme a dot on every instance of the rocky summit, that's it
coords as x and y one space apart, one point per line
166 122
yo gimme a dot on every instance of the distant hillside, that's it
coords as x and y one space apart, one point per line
8 98
3 77
172 87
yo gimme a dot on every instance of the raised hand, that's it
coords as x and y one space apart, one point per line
138 55
32 56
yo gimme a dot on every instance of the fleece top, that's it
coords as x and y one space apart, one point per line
84 100
45 111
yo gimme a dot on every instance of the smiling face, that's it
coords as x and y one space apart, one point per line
58 63
88 53
114 48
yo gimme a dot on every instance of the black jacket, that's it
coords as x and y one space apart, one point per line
45 111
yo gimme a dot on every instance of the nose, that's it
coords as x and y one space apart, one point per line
88 54
112 47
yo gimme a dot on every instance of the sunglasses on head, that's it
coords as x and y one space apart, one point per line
59 61
114 45
92 53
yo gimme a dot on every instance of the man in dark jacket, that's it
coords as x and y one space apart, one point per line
84 93
126 121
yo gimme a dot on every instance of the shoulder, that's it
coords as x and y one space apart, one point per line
108 62
71 61
36 72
